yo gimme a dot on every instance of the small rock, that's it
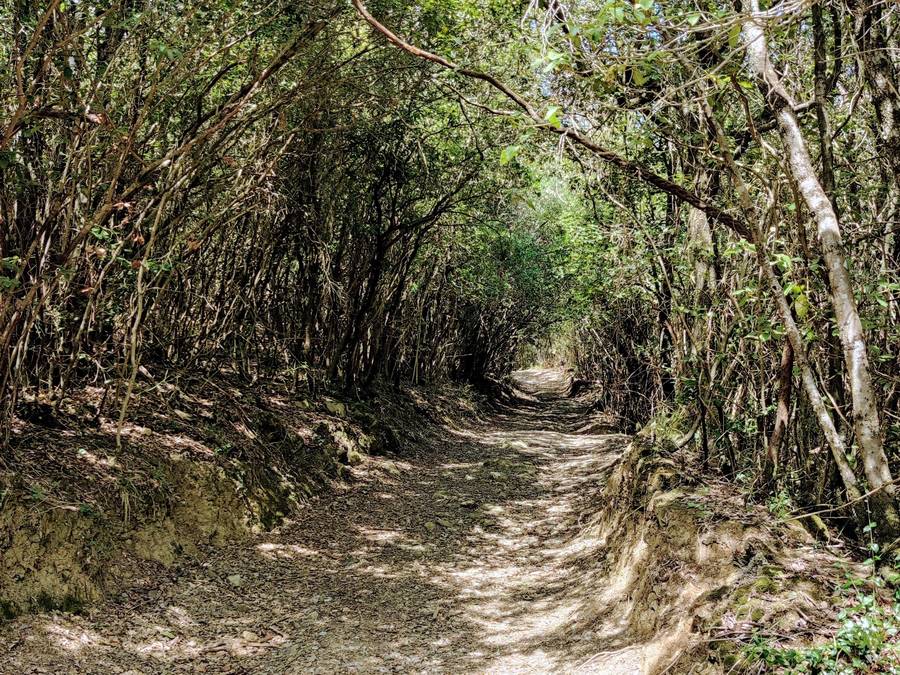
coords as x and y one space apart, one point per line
236 580
250 636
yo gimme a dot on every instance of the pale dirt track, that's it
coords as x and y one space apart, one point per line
466 557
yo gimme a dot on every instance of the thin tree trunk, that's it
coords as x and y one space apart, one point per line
881 77
783 411
807 376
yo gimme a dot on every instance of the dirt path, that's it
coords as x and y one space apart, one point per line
463 558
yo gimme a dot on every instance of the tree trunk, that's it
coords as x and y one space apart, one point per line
866 422
783 411
807 377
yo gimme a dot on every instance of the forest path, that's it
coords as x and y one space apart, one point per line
467 557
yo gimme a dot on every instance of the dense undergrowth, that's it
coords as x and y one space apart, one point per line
866 639
795 598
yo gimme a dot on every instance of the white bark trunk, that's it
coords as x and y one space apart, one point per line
700 248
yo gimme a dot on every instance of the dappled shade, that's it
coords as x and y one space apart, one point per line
472 555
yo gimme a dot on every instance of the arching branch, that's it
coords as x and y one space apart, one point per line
629 167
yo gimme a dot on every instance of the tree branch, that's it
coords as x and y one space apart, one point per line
631 168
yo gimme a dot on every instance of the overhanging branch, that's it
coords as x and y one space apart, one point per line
629 167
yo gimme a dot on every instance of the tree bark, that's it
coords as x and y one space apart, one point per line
880 74
795 339
866 421
783 411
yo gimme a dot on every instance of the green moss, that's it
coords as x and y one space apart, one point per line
730 660
770 571
697 509
765 585
729 653
741 597
891 577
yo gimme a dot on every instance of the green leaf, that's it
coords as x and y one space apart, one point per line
7 158
783 261
101 233
552 116
8 284
734 36
693 19
11 263
509 153
801 305
638 76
